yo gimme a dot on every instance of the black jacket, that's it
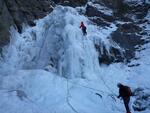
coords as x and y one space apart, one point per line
124 91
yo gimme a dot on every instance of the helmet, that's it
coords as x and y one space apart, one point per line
81 22
119 85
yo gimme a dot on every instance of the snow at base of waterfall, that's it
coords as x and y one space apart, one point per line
26 86
39 91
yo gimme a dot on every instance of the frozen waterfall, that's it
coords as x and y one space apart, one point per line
53 68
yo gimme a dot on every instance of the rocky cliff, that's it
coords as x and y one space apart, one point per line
130 19
16 12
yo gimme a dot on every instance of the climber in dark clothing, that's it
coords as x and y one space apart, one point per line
125 93
83 27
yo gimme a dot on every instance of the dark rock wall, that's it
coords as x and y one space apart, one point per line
16 12
6 20
114 4
129 35
72 3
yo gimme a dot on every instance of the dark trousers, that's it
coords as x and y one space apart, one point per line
126 101
84 30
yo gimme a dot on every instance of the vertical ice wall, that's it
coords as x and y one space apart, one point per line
57 43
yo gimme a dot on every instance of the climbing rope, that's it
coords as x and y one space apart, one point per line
107 86
104 92
89 87
43 42
67 98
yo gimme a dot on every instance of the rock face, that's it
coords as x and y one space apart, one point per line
129 34
127 37
114 55
6 21
142 101
16 12
101 18
113 4
72 3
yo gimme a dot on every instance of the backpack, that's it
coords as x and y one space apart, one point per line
129 92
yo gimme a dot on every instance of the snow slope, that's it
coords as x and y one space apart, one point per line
53 68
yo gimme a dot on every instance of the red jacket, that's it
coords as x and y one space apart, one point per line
82 25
